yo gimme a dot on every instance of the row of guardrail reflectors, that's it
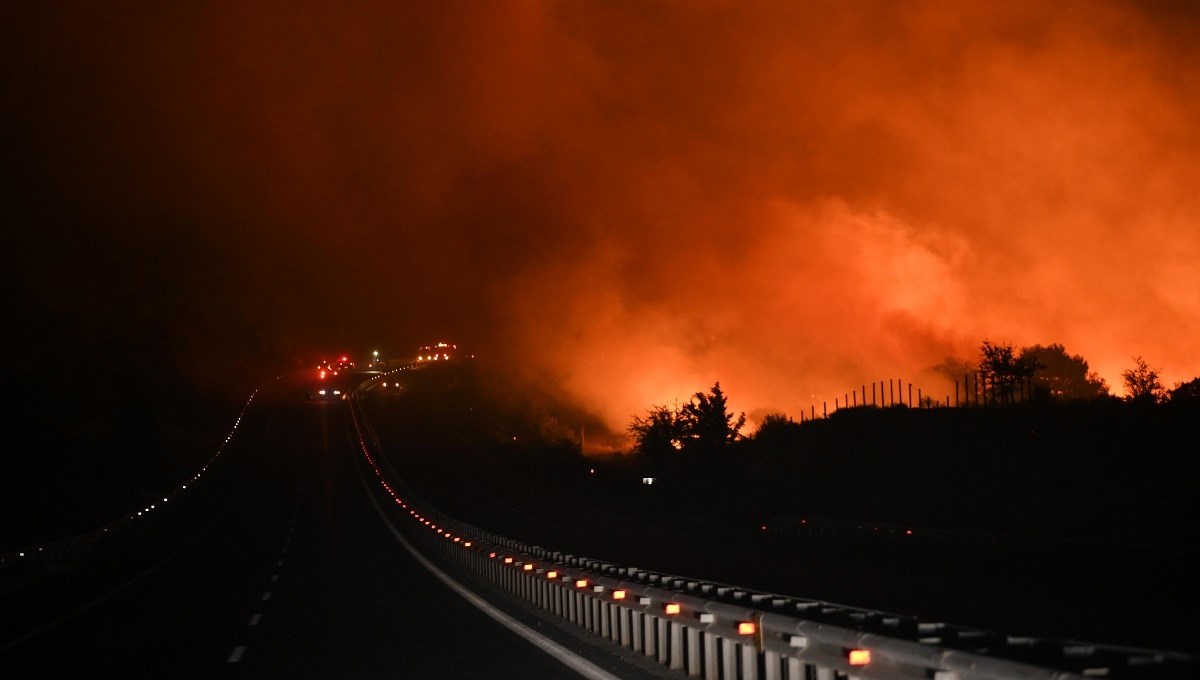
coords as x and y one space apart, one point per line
713 638
720 661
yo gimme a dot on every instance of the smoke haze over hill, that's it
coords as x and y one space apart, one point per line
627 200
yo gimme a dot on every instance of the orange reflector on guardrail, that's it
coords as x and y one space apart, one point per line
581 583
671 609
859 657
508 560
491 556
528 567
747 628
618 594
467 544
552 574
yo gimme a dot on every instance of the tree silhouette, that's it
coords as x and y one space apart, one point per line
1003 371
659 434
953 369
1186 392
1142 382
708 424
1061 375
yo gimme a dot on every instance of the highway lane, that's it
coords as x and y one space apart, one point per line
298 574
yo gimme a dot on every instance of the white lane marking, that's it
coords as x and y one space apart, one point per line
267 595
254 620
236 655
279 563
570 659
284 551
274 577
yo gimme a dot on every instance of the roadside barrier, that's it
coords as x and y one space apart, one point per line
717 631
23 566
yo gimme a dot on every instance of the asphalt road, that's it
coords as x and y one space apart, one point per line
289 565
295 573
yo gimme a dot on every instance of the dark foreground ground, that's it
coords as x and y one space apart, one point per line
707 521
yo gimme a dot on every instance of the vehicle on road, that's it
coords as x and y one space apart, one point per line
325 393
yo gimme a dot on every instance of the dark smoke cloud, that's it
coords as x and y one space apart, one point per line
630 200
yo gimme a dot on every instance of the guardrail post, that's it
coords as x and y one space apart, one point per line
824 673
729 660
771 670
711 669
749 661
660 639
693 651
676 646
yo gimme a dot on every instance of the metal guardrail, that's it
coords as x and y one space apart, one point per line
22 566
722 632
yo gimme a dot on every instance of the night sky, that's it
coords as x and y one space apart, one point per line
623 200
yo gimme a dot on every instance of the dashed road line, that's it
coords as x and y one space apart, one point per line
254 620
236 655
266 596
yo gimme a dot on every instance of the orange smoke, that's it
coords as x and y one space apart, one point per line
820 197
634 200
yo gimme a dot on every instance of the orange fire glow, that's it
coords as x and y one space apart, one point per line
631 201
830 195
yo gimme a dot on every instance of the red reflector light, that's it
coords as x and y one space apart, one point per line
618 594
747 628
859 657
492 555
671 609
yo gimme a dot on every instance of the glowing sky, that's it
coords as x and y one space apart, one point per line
629 200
